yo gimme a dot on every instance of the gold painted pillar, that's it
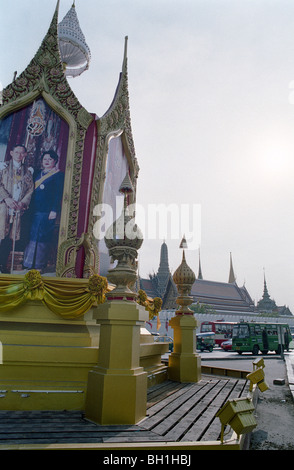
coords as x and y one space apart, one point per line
117 386
184 362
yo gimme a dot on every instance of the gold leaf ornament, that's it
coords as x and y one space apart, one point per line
98 286
34 285
153 306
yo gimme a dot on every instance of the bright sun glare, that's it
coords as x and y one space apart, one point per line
275 159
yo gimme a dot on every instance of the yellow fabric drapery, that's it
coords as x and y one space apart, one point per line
152 305
67 298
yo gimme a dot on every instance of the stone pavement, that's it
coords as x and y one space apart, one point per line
289 361
275 407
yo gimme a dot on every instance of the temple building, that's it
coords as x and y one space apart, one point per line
266 304
212 296
269 306
157 283
218 297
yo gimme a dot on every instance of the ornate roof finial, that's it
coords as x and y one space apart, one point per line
200 276
126 48
127 186
266 304
183 243
74 50
57 6
232 277
265 290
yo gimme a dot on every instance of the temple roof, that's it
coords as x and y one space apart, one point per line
224 296
266 304
148 286
215 290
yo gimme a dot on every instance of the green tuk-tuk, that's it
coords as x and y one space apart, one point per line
205 341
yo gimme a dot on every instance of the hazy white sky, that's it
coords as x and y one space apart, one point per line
211 87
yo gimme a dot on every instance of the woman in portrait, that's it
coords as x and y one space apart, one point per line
46 205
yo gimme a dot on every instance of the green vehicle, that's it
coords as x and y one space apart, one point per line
254 337
205 341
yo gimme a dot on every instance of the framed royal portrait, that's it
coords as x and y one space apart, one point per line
33 155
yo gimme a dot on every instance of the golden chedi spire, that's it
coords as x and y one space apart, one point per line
123 240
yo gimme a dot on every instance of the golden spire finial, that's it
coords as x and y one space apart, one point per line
232 277
183 243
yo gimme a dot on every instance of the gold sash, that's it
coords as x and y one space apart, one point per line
45 177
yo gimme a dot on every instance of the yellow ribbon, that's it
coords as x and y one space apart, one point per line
44 178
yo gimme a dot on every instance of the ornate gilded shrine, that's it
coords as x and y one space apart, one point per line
49 315
41 112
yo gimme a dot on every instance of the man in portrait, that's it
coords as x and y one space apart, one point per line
16 189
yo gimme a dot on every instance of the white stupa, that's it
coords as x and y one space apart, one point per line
75 53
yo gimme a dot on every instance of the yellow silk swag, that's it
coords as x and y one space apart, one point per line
69 298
